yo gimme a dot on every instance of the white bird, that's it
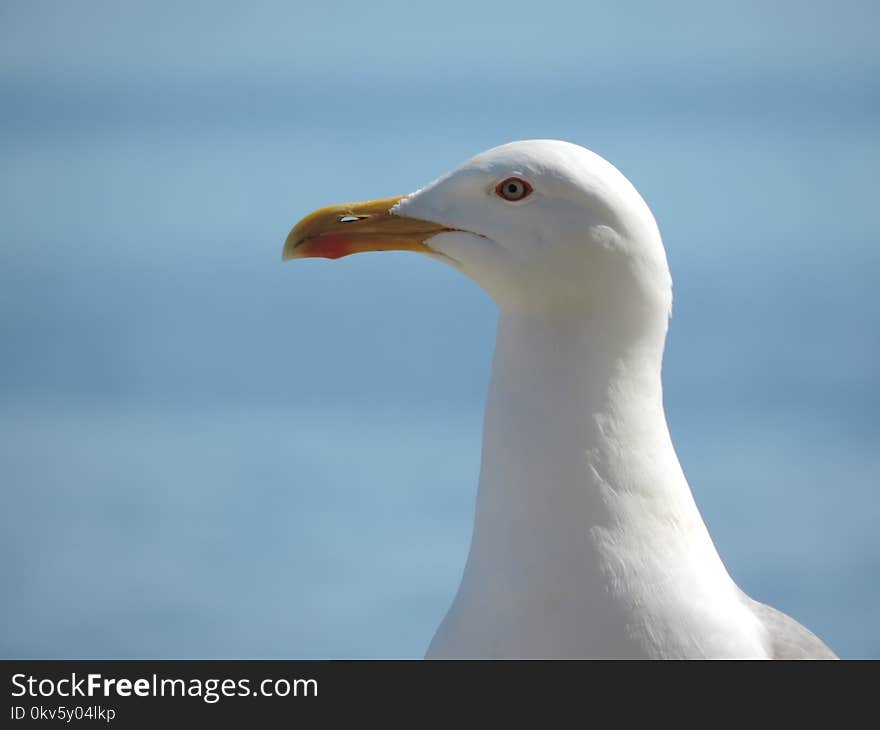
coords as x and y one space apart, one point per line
587 541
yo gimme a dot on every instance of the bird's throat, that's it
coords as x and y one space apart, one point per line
574 416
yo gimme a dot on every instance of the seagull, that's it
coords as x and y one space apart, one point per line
587 542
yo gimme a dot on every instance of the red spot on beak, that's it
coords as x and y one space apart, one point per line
327 247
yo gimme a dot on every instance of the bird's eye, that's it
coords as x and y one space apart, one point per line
513 189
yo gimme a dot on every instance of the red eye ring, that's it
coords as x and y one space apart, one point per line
513 189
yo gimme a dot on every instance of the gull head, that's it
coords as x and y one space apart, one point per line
541 225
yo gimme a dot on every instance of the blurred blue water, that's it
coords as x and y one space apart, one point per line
207 453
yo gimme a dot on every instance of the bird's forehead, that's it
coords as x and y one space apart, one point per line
536 155
506 162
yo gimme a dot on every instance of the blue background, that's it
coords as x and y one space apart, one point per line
206 453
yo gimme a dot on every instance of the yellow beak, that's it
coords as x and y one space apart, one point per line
340 230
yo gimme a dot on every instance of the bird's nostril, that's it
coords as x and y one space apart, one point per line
350 218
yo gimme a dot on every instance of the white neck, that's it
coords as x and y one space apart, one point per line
579 483
568 405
